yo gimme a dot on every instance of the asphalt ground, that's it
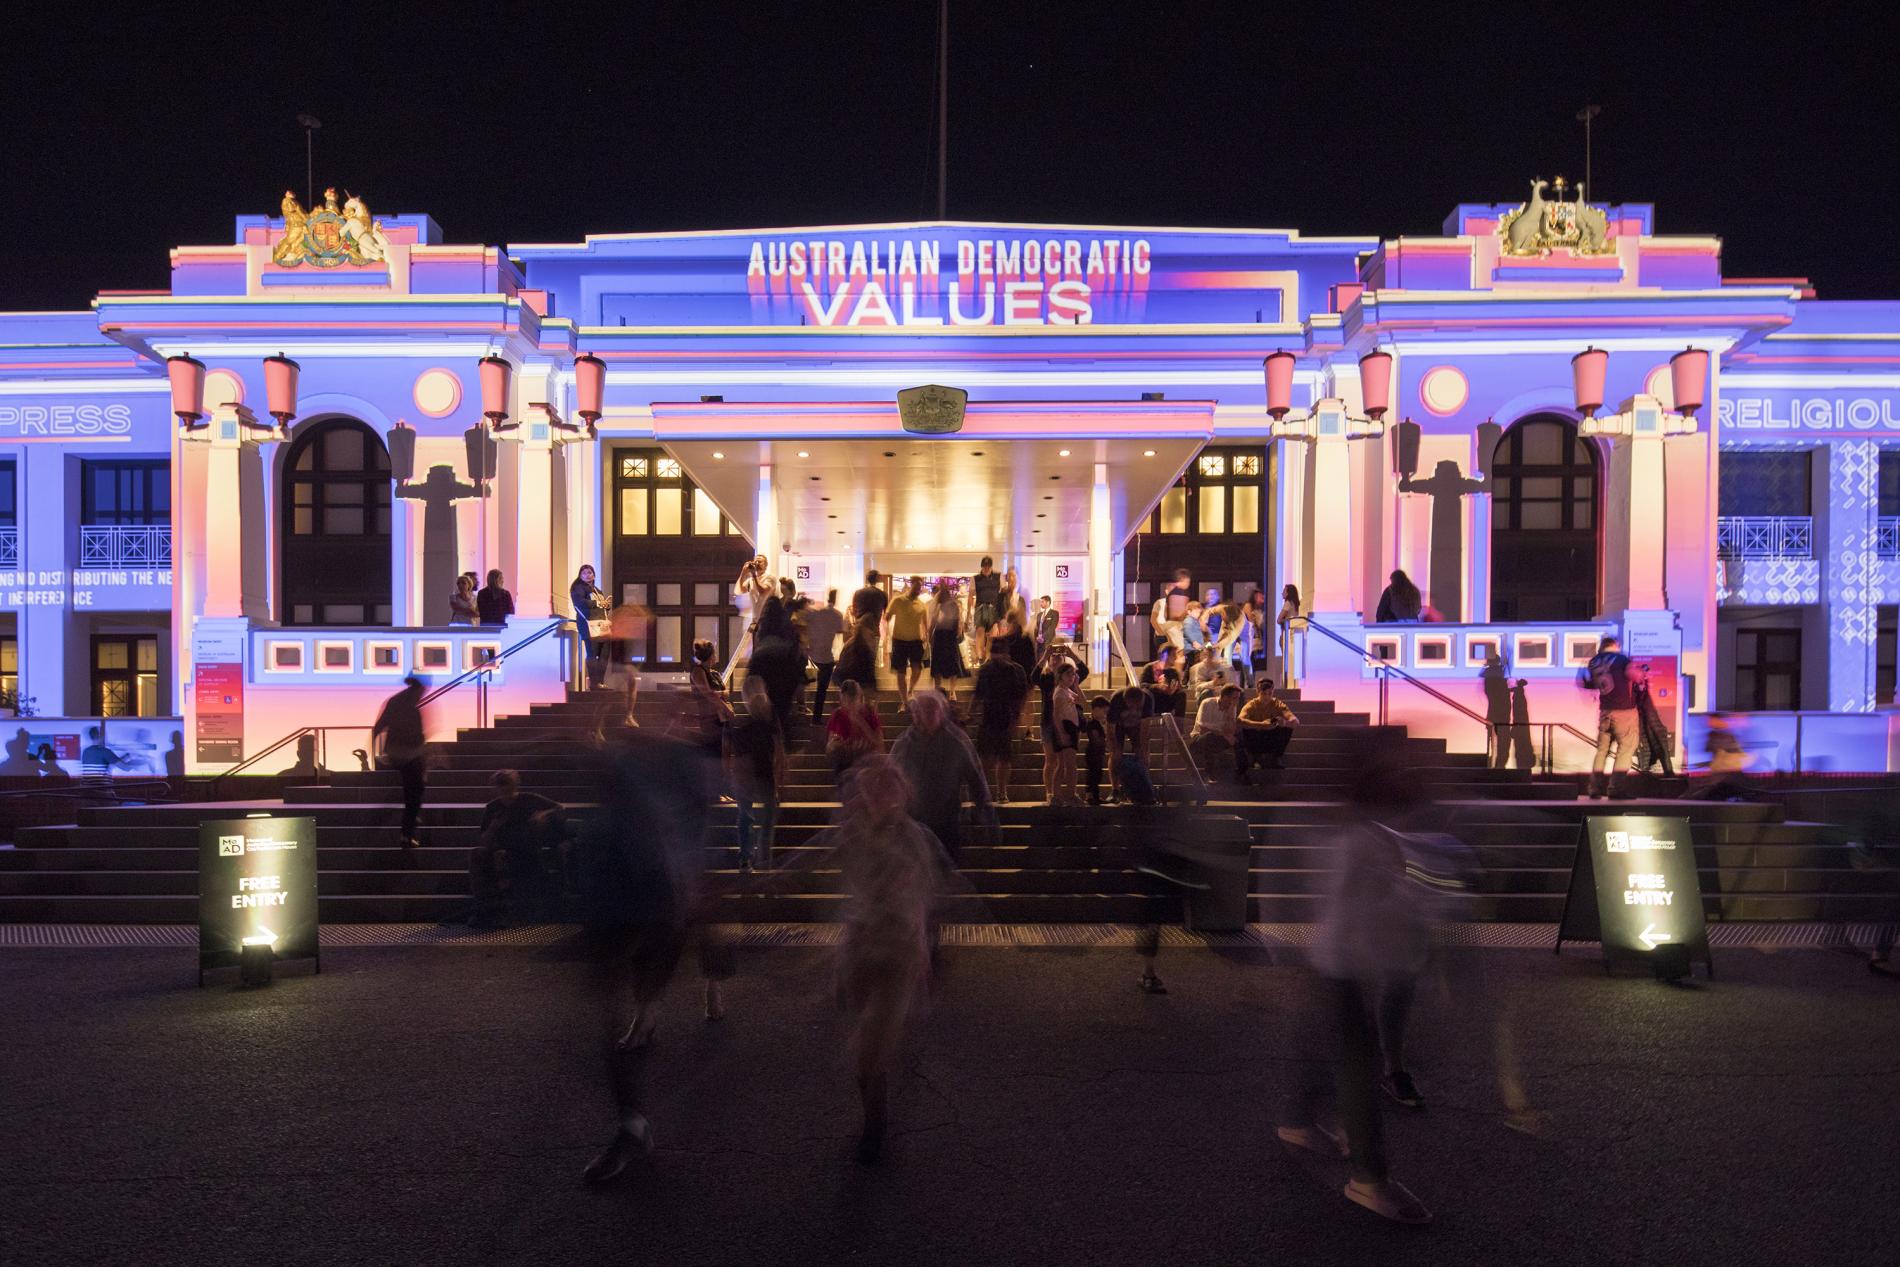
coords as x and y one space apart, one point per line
436 1105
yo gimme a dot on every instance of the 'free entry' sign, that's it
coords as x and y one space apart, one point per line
1634 888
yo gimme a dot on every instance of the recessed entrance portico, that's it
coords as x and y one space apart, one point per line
1053 489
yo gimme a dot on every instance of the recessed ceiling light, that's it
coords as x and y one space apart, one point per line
1055 477
1040 515
803 454
976 453
831 516
890 453
814 479
1147 453
718 456
1062 453
1048 497
824 499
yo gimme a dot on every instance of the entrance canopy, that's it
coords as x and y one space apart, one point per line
850 479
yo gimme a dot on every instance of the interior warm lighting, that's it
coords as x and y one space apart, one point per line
1147 453
1062 453
803 454
718 456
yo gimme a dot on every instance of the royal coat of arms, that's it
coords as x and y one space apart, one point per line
1540 226
329 236
931 409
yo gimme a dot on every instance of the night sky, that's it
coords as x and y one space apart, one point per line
129 133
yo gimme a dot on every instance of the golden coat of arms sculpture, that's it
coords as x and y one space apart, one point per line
329 236
1540 226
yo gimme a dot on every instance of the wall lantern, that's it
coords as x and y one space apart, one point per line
1688 373
188 388
1588 370
495 375
280 387
590 389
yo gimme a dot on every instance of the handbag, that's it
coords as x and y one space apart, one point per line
597 628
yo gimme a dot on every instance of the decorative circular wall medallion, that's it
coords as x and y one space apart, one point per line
438 392
1443 390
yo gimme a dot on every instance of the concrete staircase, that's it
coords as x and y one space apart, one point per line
137 864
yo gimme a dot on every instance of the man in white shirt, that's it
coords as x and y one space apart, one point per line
1215 724
823 627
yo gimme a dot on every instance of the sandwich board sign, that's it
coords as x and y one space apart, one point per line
257 885
1633 888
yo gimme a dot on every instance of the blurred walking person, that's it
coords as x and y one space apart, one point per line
940 763
641 864
894 872
399 744
823 627
854 731
946 640
755 767
1373 941
909 623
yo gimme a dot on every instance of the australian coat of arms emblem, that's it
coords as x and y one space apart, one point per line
329 236
1540 226
932 410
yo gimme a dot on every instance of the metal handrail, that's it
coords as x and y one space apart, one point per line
481 671
1120 649
1170 726
1384 667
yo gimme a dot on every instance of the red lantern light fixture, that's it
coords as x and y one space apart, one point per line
1688 374
496 373
280 386
1588 370
590 388
1279 367
1375 381
188 388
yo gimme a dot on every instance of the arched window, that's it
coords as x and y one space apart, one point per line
1543 523
335 527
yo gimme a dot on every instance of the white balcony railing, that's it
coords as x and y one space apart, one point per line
1764 537
1887 537
125 546
9 548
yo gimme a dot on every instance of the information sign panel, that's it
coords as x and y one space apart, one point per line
257 884
1634 888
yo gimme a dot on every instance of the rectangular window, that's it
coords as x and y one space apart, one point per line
10 669
1213 508
1247 464
705 514
669 469
9 494
1213 465
1246 508
1772 483
668 511
633 512
1173 512
132 493
125 675
666 594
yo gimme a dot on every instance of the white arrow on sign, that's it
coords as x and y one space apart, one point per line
1651 938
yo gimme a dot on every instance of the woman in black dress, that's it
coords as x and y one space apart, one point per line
946 640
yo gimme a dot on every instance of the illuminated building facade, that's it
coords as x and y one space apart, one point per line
247 579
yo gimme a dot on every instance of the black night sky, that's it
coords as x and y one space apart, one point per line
144 128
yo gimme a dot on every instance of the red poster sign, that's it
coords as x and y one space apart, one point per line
218 693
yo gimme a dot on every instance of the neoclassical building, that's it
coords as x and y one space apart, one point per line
236 507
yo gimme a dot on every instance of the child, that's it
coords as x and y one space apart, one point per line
1095 733
1194 632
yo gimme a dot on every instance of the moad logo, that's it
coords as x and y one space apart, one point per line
1623 842
230 846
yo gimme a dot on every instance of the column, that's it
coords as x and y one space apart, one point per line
233 552
534 519
1331 544
766 540
1635 533
1103 589
1850 576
